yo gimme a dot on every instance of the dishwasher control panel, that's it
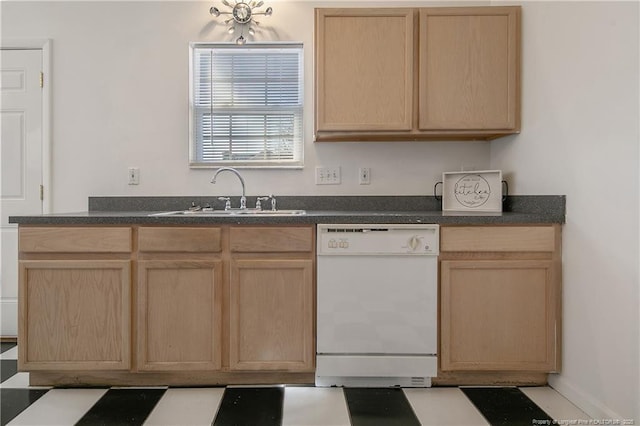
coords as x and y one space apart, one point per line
378 239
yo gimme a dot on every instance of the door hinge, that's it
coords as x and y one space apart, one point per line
41 79
41 192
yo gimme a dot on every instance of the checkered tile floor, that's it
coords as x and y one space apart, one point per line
266 406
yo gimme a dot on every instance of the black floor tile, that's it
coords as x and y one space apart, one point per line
379 407
5 346
251 407
8 367
15 401
122 407
505 406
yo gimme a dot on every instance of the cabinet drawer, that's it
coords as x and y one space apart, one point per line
179 239
498 239
271 239
75 240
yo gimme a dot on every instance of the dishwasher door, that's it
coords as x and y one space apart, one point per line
377 305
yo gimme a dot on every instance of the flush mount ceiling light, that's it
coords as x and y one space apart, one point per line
242 14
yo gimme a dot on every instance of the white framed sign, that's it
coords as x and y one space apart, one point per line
473 191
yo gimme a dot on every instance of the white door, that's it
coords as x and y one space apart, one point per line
21 113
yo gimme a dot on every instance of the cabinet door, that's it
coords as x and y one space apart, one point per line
364 69
74 314
271 315
179 315
498 315
469 68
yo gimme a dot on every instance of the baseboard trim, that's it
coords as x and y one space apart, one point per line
584 401
178 378
489 378
9 318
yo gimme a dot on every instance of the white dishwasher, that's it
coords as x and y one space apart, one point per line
377 305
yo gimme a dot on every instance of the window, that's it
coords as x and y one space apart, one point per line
245 106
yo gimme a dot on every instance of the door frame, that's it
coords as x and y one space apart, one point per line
44 45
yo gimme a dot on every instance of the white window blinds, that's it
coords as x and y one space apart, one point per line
246 105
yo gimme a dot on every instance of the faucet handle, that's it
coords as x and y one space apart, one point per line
273 202
259 201
227 200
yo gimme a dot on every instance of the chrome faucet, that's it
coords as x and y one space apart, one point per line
259 201
243 199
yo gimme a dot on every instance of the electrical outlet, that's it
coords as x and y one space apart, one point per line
134 176
328 175
364 176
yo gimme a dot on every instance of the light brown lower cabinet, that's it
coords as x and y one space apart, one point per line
230 299
74 298
236 304
499 300
271 315
500 315
74 315
157 305
179 306
272 298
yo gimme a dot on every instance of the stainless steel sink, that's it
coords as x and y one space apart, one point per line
192 213
231 212
271 212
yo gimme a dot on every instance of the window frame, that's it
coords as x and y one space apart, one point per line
296 163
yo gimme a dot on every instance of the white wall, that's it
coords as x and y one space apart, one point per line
120 99
120 81
579 137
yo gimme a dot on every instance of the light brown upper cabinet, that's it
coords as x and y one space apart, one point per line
417 74
364 69
468 75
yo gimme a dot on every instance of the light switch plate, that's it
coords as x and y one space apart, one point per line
134 176
364 176
328 175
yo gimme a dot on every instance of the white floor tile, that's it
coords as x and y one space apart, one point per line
10 354
554 404
310 406
186 407
59 407
443 407
20 381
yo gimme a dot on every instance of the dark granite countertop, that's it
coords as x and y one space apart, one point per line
536 209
